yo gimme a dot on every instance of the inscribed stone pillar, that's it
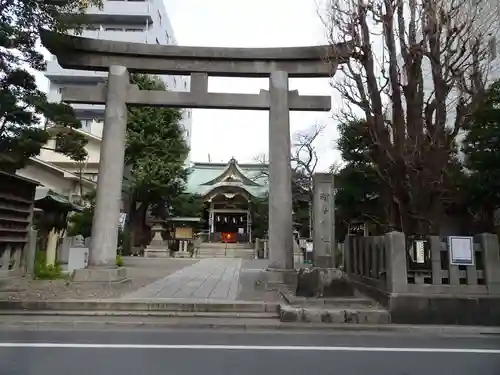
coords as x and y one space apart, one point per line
323 220
280 175
109 184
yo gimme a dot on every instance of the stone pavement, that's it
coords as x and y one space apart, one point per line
216 278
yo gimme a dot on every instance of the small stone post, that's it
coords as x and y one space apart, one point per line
31 252
491 260
109 184
324 220
280 175
257 248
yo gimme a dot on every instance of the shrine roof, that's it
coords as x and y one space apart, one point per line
205 177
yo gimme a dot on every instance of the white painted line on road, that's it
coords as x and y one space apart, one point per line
47 345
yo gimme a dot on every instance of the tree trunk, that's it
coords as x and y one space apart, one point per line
138 226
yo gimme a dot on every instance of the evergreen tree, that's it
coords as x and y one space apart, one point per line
481 147
24 109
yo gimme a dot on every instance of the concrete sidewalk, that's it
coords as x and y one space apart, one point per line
214 279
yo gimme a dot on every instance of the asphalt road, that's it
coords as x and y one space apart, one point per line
181 352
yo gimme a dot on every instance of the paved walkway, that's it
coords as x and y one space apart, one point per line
216 278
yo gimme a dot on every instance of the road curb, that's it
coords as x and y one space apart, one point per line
239 324
133 305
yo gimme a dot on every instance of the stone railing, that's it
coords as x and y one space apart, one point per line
431 289
365 260
385 263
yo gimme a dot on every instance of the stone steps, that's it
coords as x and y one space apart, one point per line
222 250
245 254
219 245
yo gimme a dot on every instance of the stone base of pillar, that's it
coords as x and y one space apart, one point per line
276 279
100 274
318 282
324 261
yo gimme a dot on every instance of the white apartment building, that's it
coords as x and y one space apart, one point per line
138 21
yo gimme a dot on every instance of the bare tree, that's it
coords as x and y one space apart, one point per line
418 70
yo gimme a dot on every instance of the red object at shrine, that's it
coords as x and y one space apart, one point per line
228 237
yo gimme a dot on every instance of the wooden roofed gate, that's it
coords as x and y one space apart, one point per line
120 58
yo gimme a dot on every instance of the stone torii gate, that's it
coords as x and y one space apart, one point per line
120 58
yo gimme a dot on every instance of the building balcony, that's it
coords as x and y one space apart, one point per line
121 12
56 74
89 111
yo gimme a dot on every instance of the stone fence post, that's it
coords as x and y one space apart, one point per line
395 262
257 247
491 260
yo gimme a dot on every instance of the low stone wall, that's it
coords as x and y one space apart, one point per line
433 291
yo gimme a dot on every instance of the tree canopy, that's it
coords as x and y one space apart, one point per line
416 93
25 111
156 149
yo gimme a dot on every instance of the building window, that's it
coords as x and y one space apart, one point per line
134 30
492 46
113 29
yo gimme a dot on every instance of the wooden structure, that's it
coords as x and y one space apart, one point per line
17 196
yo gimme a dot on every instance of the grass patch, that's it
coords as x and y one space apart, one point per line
44 271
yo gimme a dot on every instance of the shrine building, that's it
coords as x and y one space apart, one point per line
228 191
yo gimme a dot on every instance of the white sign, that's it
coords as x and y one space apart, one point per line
420 251
461 250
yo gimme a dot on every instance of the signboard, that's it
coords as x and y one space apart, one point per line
357 229
461 250
419 249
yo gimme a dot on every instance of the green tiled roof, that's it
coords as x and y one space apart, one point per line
202 173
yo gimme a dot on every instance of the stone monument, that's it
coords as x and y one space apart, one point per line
120 58
323 220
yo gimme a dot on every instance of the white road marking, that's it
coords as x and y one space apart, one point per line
48 345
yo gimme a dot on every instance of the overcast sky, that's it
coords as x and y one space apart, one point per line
223 134
250 23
